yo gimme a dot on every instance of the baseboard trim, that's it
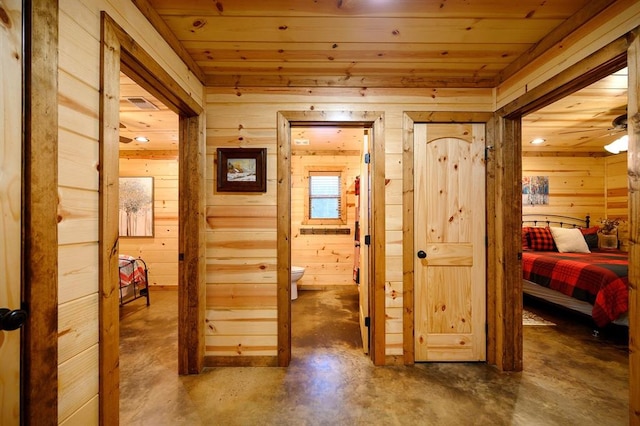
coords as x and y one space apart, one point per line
240 361
163 287
321 287
394 360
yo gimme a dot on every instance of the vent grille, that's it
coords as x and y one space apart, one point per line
325 231
142 103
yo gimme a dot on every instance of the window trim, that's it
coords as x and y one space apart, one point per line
338 170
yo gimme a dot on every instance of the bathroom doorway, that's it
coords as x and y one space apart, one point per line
328 168
288 123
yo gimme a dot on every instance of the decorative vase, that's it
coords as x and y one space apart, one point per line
607 241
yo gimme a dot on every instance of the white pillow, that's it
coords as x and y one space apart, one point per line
569 240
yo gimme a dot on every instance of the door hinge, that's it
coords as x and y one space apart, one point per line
487 149
367 158
367 240
367 321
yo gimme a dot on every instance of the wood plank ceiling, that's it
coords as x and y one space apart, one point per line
389 44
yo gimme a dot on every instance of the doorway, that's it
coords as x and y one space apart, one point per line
584 180
600 64
375 122
148 241
121 53
329 224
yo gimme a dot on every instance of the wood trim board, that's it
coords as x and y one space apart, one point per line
633 160
40 261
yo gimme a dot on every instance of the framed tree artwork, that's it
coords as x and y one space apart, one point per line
136 206
242 170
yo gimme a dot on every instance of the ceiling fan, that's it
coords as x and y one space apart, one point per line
124 139
622 143
618 124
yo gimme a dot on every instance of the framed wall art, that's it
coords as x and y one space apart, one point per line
136 206
535 190
242 170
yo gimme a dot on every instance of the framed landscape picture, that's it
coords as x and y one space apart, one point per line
242 170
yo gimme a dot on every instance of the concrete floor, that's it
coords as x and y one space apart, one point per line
570 377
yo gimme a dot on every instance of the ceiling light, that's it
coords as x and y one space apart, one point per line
538 141
142 139
619 145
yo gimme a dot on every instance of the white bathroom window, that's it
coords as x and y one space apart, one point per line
325 194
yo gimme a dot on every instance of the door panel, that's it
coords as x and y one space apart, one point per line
10 205
450 278
365 213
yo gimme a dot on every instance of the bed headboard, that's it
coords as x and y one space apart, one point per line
555 220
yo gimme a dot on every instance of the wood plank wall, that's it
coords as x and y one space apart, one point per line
328 259
580 186
241 233
78 97
576 185
617 195
160 252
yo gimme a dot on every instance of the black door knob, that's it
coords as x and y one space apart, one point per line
422 254
12 320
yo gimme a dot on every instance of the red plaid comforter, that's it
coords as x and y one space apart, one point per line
600 278
131 271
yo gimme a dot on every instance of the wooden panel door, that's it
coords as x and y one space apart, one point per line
10 205
449 227
365 213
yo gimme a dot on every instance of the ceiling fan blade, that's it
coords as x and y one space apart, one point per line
125 139
570 132
612 132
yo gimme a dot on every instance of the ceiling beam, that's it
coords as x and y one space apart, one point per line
345 81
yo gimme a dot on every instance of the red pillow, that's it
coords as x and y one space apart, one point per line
540 239
591 236
525 238
590 231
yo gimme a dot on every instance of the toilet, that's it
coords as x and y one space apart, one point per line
296 273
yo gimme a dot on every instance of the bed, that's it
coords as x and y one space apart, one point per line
134 279
583 278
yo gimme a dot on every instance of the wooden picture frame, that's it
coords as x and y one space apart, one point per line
242 170
136 215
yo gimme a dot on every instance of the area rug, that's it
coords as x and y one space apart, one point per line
529 318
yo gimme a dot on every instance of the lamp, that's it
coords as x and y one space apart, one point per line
619 145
